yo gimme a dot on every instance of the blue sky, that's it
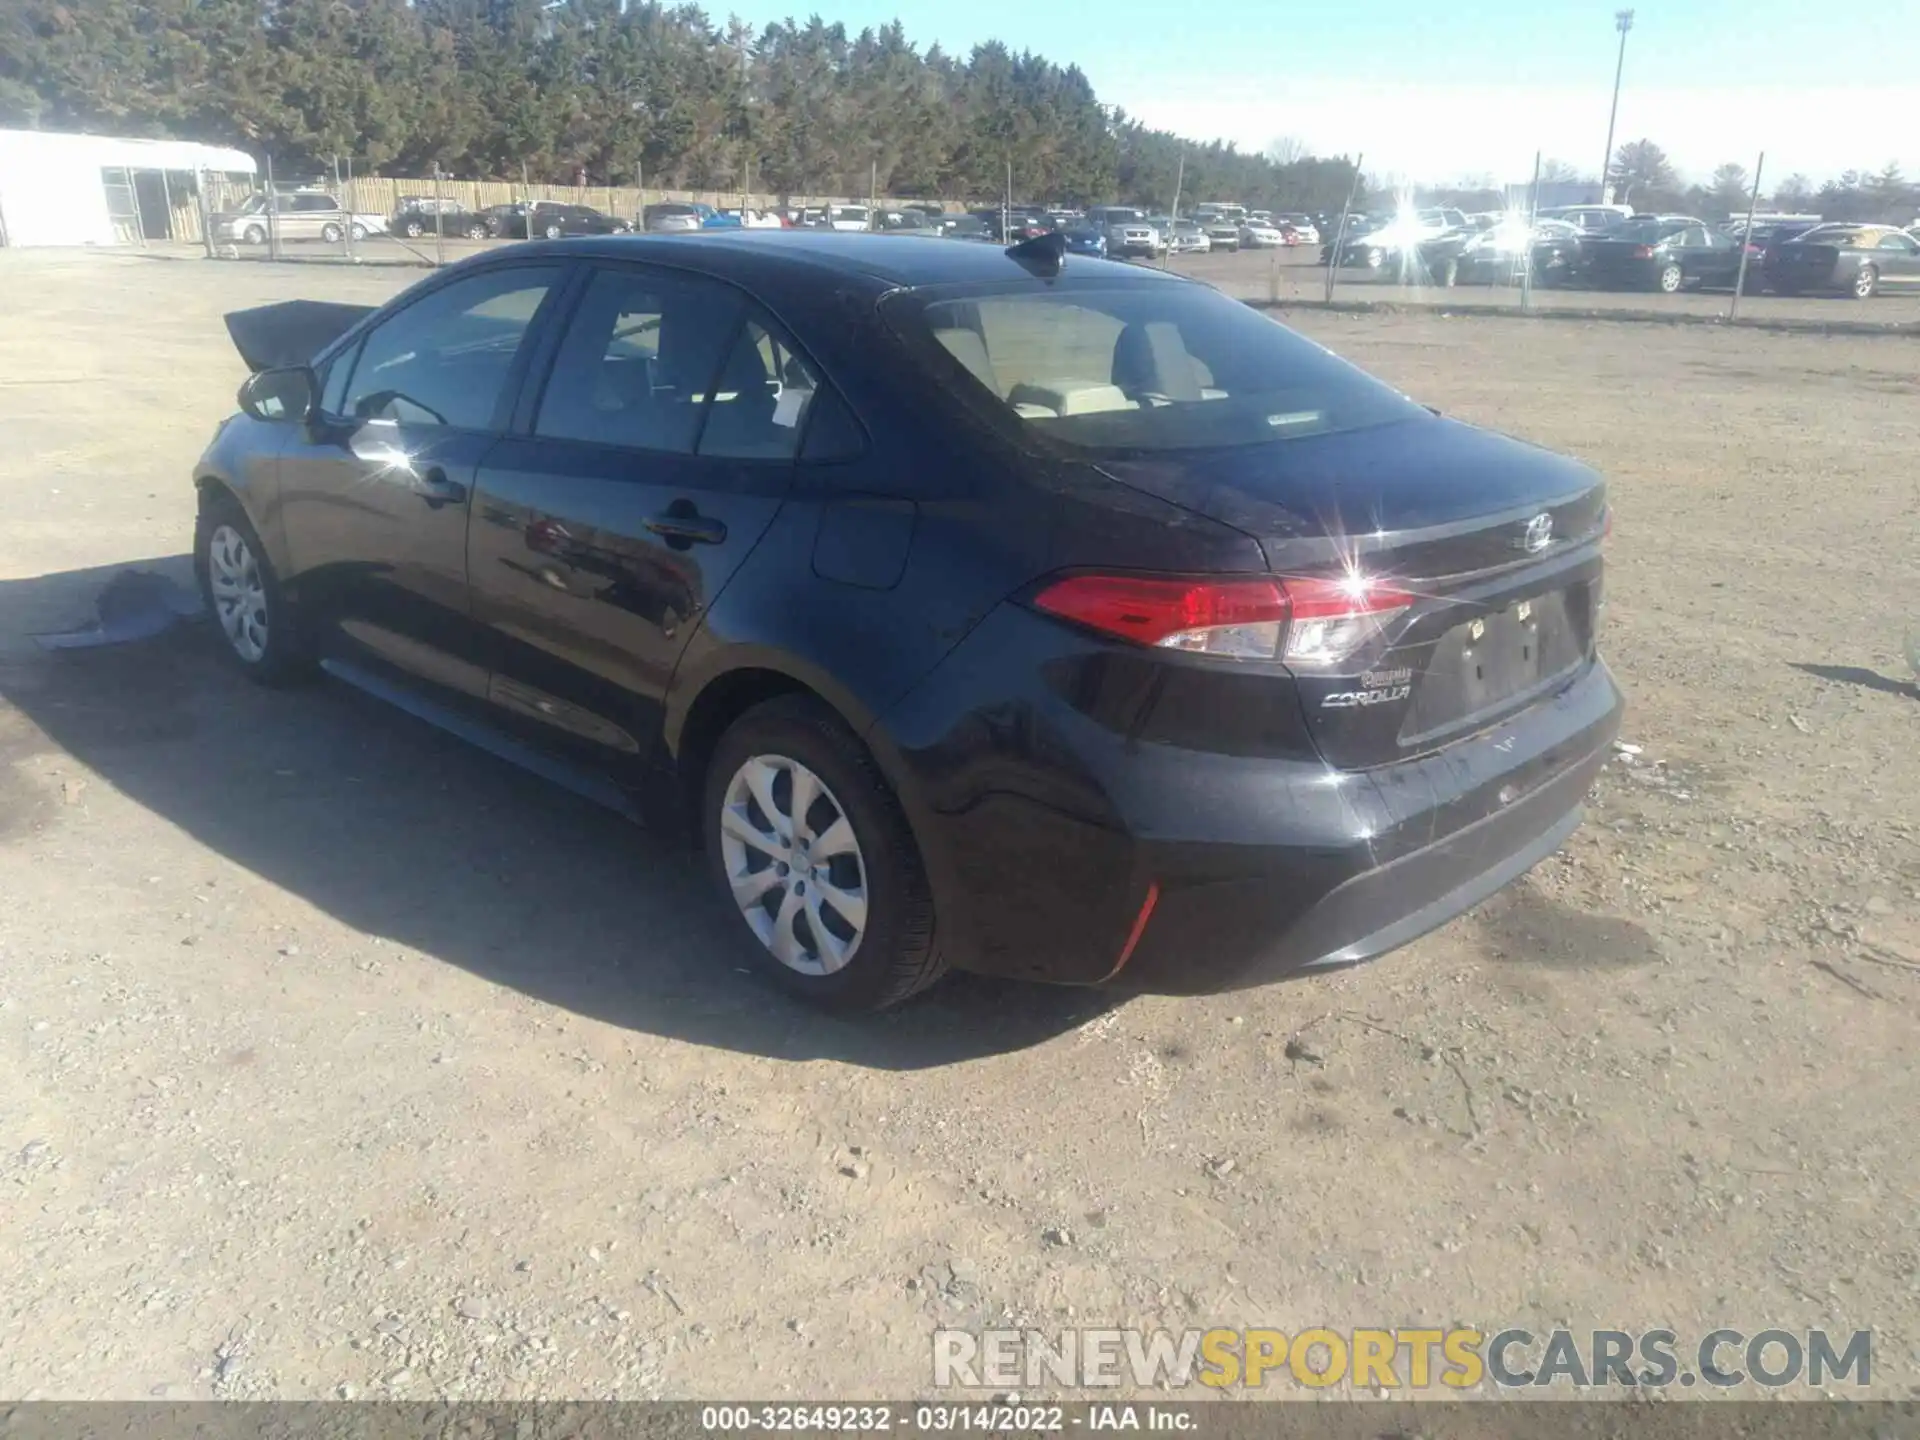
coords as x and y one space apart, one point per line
1439 92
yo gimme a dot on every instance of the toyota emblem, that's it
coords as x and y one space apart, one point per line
1538 534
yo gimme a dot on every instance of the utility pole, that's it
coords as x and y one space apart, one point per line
1746 240
1006 205
1623 22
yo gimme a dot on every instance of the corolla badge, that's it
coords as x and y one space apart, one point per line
1538 534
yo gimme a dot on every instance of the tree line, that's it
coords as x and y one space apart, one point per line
613 92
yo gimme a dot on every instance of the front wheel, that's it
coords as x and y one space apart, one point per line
413 229
331 233
552 232
811 848
1865 283
1670 280
254 235
258 630
476 231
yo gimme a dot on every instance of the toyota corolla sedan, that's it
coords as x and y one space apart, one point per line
972 607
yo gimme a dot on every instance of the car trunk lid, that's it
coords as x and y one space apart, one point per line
1486 548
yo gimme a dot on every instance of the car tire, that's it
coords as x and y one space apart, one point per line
552 231
869 960
254 235
413 229
359 232
331 233
258 632
476 231
1670 279
1865 282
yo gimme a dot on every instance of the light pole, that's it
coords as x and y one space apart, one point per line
1623 22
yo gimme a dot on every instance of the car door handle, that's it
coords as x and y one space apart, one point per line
686 526
433 486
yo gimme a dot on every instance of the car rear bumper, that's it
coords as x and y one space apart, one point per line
1064 843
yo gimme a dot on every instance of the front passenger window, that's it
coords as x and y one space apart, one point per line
446 359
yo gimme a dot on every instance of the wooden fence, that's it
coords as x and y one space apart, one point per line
382 194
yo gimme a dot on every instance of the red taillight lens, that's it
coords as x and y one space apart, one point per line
1643 252
1240 618
1307 622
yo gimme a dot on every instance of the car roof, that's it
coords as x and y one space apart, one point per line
776 256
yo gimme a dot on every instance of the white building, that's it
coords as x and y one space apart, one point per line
103 189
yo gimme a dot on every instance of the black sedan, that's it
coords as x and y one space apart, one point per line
550 220
968 606
1857 260
1660 252
419 215
1499 255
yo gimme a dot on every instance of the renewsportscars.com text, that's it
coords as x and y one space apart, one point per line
1400 1359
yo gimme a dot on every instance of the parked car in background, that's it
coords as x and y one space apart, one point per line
965 227
1857 260
1222 229
1261 235
1188 238
1126 229
1495 256
1305 231
849 217
1085 240
549 220
905 222
674 217
1659 252
292 215
973 658
1588 219
418 215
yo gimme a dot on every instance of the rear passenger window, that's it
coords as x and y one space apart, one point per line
759 401
637 361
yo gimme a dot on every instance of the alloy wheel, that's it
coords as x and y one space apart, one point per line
794 864
239 593
1863 283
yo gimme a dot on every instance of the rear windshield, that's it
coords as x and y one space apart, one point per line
1145 368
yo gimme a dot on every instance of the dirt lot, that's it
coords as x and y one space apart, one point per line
340 1059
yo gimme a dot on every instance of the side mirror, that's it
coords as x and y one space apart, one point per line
286 394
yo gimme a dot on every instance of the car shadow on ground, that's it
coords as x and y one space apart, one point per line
401 832
1859 675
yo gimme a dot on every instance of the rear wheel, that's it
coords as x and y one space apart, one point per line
552 232
359 231
413 229
810 847
1670 279
477 231
1865 283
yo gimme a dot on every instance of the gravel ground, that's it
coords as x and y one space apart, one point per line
341 1060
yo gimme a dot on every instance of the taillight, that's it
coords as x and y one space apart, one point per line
1334 618
1643 252
1308 622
